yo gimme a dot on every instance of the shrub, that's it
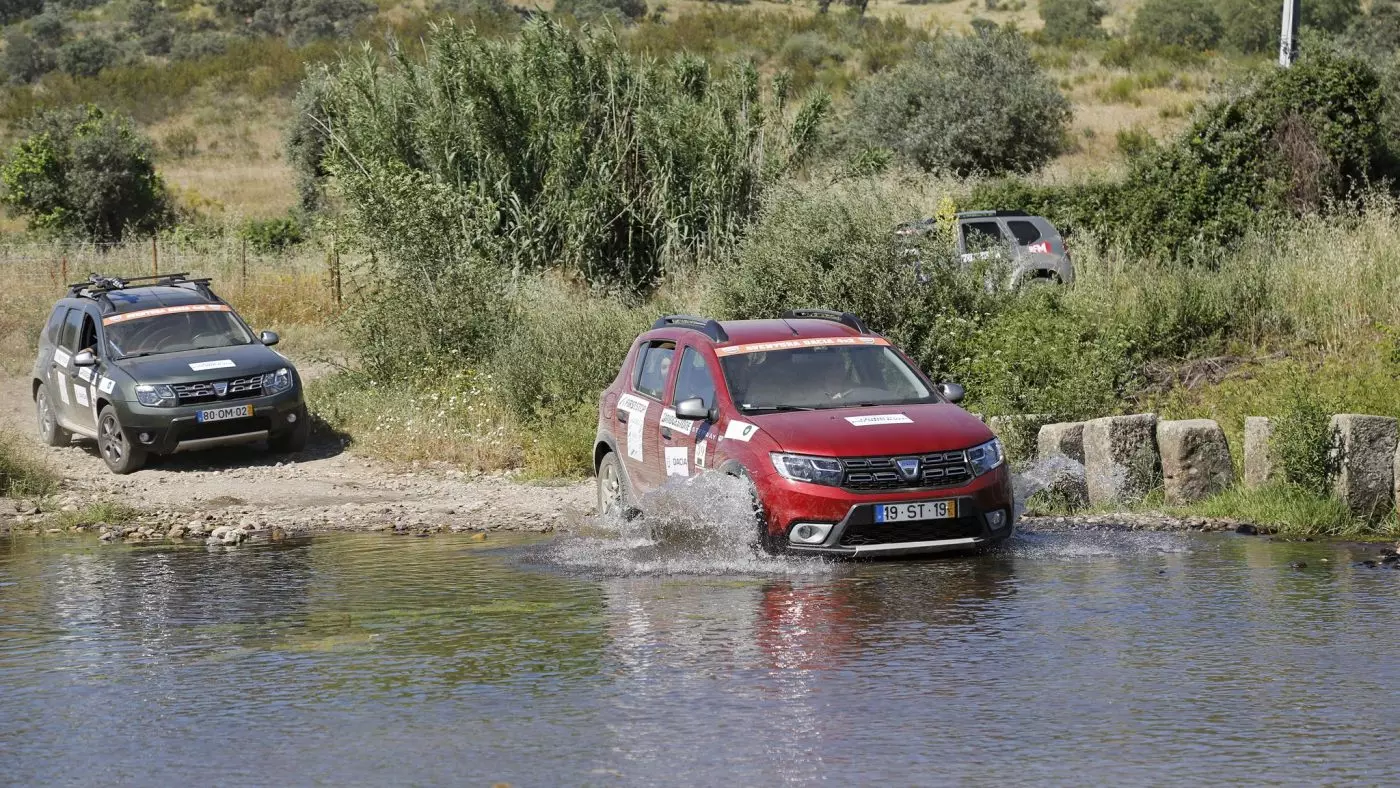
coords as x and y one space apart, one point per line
85 57
301 21
16 10
21 474
82 172
48 29
1249 26
192 46
587 10
1134 141
1067 20
1377 34
181 143
1302 438
25 59
976 104
1193 24
273 235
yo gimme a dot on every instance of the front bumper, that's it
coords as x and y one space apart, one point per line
172 430
854 531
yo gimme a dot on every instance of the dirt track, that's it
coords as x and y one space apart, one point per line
325 488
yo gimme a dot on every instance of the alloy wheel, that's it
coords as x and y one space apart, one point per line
111 442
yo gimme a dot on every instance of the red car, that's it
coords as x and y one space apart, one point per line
849 447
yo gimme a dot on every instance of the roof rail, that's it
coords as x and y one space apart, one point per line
983 214
98 285
844 318
707 326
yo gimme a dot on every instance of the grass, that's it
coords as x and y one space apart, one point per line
108 512
23 475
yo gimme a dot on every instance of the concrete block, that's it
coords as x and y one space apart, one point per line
1259 466
1195 460
1120 458
1364 462
1060 461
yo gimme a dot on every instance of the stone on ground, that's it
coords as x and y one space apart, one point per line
1060 461
1120 458
1259 466
1195 460
1364 462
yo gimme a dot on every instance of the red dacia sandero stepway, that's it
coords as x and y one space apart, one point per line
850 449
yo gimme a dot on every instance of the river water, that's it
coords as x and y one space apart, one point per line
376 659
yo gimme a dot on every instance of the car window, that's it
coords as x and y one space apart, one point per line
72 330
175 332
55 326
653 368
1026 232
694 379
88 337
981 236
822 377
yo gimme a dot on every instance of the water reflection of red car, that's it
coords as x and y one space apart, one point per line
850 448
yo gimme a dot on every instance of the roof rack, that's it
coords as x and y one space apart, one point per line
98 285
982 214
844 318
707 326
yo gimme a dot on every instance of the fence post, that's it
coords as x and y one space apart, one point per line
335 271
155 257
63 270
243 260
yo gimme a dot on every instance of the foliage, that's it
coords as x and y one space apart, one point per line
81 172
85 57
15 10
975 104
588 10
1302 439
1068 20
21 474
300 21
204 44
1192 24
181 143
1376 34
25 60
277 234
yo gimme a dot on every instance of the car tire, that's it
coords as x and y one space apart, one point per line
765 541
614 493
293 441
49 431
117 450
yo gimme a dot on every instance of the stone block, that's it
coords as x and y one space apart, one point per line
1363 456
1120 458
1259 466
1059 464
1195 460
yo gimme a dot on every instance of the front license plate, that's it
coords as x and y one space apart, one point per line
916 510
223 414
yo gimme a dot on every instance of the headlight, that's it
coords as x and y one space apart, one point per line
987 457
817 470
159 395
277 382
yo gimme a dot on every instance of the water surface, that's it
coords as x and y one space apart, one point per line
374 659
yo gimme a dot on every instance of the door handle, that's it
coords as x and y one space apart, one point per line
621 419
665 433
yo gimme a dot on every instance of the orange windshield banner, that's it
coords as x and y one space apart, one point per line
164 310
796 344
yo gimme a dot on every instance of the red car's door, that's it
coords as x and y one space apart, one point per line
687 445
641 405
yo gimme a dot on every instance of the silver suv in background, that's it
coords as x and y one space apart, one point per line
1033 246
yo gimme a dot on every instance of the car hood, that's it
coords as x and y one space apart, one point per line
872 431
209 364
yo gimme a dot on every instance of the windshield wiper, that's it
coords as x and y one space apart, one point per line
774 408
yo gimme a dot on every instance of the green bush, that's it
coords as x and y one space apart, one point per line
181 143
1192 24
81 172
273 235
193 46
1068 20
48 28
25 60
85 57
1302 439
975 104
588 10
16 10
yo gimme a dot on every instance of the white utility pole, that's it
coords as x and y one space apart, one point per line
1288 36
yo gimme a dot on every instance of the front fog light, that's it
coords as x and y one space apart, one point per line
995 520
808 533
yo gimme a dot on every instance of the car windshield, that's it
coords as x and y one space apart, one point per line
171 333
822 377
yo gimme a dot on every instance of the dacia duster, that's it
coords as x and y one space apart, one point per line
159 365
850 449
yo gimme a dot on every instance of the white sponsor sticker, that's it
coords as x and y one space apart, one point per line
670 421
85 373
81 395
740 431
223 363
62 389
677 461
636 408
105 385
888 418
701 450
61 358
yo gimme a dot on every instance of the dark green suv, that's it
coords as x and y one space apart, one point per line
159 365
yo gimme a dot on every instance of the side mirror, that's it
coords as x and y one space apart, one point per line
952 392
84 358
692 409
269 338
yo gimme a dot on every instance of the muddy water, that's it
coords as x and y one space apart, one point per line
597 659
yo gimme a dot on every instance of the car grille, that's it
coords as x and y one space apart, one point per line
238 388
858 535
940 469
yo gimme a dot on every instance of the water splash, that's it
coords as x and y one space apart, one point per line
1060 475
700 526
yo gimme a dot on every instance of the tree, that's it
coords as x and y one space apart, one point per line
973 104
86 57
1253 25
1192 24
83 173
15 10
628 10
1066 20
25 60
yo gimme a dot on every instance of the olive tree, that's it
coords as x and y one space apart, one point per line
81 172
1066 20
964 104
